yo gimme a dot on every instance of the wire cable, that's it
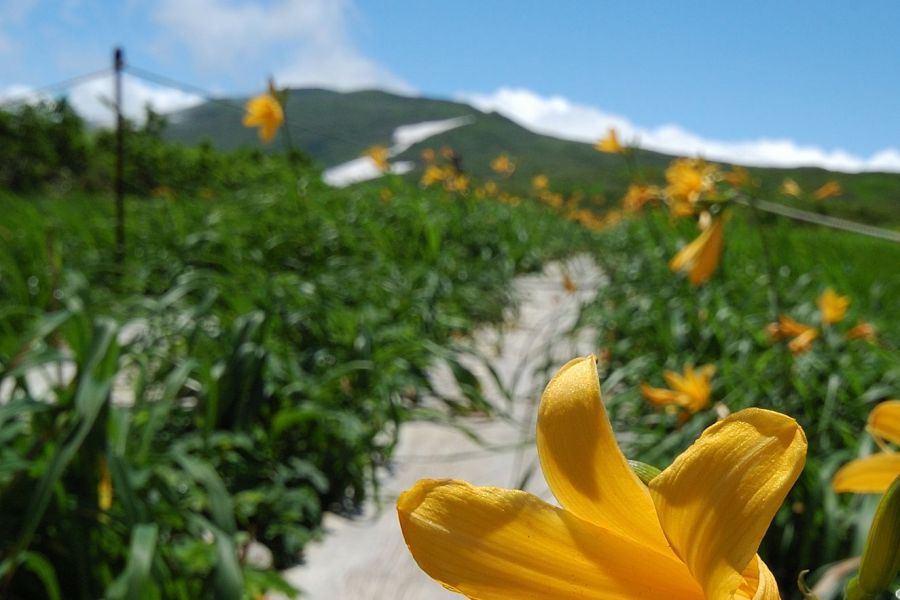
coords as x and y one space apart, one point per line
29 95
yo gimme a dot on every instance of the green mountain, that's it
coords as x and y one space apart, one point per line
334 127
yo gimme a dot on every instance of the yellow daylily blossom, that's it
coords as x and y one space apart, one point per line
265 112
689 391
503 165
691 534
688 179
862 331
738 176
610 143
639 196
540 183
435 174
379 156
873 474
428 155
803 342
448 153
802 335
457 183
789 187
832 306
832 188
700 258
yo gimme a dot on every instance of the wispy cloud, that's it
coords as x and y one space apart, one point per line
557 116
310 40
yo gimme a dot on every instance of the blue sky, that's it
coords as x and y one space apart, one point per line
795 80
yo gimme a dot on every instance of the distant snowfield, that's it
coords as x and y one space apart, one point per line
405 136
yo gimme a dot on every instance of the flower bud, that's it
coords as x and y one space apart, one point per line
881 558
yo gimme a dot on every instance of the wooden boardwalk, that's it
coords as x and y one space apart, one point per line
365 558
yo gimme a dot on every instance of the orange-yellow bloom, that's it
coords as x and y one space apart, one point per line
689 391
832 188
862 330
639 196
832 306
873 474
610 143
787 327
803 342
265 112
503 165
428 155
700 258
379 156
690 534
540 183
435 174
789 187
688 179
737 176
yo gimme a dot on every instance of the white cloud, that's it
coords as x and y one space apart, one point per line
93 100
557 116
312 37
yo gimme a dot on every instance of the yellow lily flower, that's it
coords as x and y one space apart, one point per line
738 176
700 258
265 112
832 306
832 188
610 143
435 174
503 165
691 534
789 187
379 156
428 155
688 179
862 330
540 183
689 391
803 342
639 196
874 474
786 327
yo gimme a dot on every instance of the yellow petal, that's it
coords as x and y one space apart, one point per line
870 475
884 421
701 257
759 583
716 500
582 462
496 544
661 396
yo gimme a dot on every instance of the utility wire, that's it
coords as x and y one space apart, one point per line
824 220
29 95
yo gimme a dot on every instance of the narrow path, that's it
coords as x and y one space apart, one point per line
365 558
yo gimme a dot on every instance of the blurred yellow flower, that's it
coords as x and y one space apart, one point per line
435 174
457 183
873 474
428 155
688 179
104 487
691 533
540 182
789 187
551 199
700 258
610 143
379 156
832 188
265 112
786 327
737 176
448 153
803 342
503 165
689 391
862 331
639 196
833 307
386 195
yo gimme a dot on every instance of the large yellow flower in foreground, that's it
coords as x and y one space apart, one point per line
689 391
691 534
874 474
701 257
688 179
265 112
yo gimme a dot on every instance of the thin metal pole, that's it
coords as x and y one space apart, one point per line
118 65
